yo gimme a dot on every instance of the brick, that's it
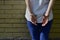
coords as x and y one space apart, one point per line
56 26
14 2
55 30
19 7
15 30
4 35
54 35
1 11
56 22
11 15
20 25
13 21
5 25
1 2
2 30
2 20
5 7
12 25
21 35
13 35
14 11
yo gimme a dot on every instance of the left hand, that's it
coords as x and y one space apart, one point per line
33 19
45 20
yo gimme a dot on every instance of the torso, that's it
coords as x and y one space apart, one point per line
39 7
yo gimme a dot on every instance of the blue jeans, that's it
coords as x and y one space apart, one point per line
38 32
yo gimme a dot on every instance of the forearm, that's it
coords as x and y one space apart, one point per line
49 7
28 4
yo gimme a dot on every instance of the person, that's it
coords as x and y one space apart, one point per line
39 18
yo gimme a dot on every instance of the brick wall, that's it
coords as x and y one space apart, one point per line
55 31
13 23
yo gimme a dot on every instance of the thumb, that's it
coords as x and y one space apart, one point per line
44 24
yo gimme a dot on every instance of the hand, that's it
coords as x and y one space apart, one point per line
33 19
45 20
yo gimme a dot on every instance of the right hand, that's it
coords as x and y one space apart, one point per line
33 19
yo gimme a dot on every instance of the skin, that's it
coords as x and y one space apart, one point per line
45 17
33 17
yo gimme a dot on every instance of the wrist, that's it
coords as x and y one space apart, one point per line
46 16
31 13
46 13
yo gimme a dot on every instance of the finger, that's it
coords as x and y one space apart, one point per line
34 23
45 23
